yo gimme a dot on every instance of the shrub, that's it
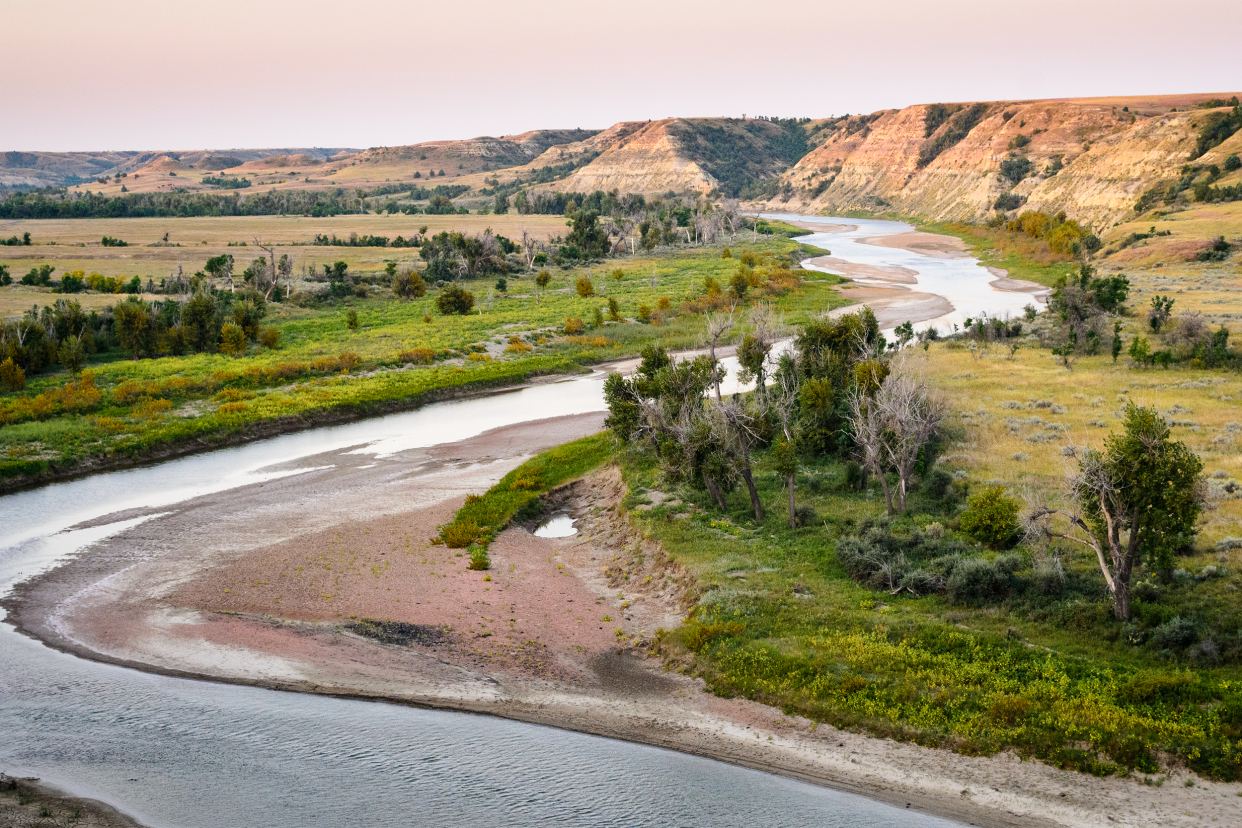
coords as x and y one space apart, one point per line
1177 634
269 338
233 340
992 518
1008 201
351 319
1233 163
478 559
408 284
517 346
614 309
12 375
460 534
417 356
573 326
454 299
980 581
584 286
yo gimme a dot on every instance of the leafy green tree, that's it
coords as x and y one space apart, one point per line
1116 340
586 234
1136 501
351 319
5 278
409 284
72 355
454 299
233 340
200 322
992 518
12 376
614 309
133 326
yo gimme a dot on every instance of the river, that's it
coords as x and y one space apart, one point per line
179 752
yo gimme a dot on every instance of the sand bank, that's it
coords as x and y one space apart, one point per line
260 585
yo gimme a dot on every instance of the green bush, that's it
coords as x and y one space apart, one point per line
992 518
978 581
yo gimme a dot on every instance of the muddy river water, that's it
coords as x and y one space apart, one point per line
179 752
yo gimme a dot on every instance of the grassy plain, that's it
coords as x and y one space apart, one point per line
324 368
74 244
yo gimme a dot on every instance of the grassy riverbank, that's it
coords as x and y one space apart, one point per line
399 353
1026 659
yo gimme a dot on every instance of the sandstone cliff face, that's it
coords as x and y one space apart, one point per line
641 158
1090 158
1108 157
679 154
882 172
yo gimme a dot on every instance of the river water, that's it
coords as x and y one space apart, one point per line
178 752
966 285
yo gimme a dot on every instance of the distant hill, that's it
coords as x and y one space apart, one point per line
60 169
1092 158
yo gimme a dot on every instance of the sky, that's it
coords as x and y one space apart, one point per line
186 74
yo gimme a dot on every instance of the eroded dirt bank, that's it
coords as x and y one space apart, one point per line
267 585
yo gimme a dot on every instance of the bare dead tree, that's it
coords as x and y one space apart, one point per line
530 249
719 325
912 414
737 429
731 214
892 423
867 426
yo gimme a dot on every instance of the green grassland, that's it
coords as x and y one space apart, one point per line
1047 673
323 369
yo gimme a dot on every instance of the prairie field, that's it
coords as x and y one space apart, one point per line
74 244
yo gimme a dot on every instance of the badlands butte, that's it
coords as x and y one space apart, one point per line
1092 158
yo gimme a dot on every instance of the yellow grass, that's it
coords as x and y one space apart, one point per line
77 244
17 299
1093 393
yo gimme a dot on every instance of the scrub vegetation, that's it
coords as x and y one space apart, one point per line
216 357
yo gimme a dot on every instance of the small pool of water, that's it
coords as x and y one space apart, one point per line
560 525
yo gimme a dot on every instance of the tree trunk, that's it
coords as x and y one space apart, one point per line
714 491
1121 599
754 493
888 493
793 509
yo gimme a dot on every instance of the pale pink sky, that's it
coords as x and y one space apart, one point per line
185 74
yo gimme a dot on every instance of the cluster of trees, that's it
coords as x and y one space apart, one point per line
1084 304
945 126
1063 235
59 204
1186 339
225 183
838 392
1197 181
1218 127
63 334
355 240
452 255
14 241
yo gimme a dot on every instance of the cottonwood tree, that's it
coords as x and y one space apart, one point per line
221 268
1135 502
756 348
731 214
719 325
892 418
530 248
